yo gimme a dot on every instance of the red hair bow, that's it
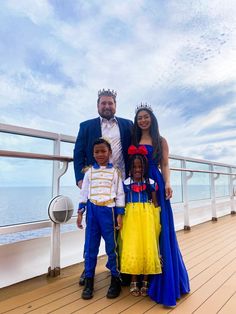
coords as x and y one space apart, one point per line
141 150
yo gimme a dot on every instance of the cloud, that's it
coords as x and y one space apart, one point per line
176 55
39 12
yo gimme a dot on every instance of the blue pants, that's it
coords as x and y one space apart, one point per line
100 222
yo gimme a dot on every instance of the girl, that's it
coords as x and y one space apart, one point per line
167 287
140 232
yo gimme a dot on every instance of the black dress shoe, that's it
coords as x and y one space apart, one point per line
88 289
82 279
115 288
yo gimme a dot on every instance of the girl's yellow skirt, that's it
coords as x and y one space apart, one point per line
139 239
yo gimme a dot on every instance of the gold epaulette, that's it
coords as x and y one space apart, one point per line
85 169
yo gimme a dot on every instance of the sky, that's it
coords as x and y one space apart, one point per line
178 56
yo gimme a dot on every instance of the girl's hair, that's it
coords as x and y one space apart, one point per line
144 166
102 140
154 133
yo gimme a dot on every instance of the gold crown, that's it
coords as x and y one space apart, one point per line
143 106
107 92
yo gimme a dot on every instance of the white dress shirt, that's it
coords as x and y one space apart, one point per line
110 130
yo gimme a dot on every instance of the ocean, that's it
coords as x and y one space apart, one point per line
30 204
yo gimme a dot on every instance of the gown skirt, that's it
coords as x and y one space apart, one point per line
167 287
139 248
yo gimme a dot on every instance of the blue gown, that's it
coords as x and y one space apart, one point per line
167 287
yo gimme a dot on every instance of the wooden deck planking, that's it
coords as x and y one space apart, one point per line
230 306
219 297
69 306
141 306
202 236
209 252
205 262
199 230
206 289
207 249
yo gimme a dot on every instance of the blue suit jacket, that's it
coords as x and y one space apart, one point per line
89 131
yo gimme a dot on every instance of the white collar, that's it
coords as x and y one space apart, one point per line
104 120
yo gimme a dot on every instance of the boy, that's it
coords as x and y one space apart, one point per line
103 195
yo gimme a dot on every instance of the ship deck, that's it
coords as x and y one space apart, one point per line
209 251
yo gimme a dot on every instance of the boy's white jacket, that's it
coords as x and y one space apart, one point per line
101 185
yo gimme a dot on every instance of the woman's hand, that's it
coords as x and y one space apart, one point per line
169 191
79 221
119 220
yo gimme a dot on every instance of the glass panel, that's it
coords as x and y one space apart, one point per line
69 188
175 163
199 184
234 182
27 144
25 190
26 186
222 183
176 181
67 149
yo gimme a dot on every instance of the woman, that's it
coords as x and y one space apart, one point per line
167 287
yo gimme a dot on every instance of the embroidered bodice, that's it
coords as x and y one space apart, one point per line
137 192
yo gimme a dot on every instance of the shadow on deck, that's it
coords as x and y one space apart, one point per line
209 251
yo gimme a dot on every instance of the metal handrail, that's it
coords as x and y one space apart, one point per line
12 129
202 171
18 130
16 154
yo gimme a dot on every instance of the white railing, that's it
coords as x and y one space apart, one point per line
186 173
214 176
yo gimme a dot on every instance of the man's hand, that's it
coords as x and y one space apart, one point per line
79 221
79 184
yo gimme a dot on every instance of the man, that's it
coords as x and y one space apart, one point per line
117 131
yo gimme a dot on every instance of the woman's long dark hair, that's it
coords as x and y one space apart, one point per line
154 133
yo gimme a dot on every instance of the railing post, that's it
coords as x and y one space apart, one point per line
213 193
54 268
232 192
185 179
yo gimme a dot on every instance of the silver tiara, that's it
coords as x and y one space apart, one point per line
143 106
107 92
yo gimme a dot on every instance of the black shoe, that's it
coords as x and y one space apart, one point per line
88 289
82 279
115 288
125 280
